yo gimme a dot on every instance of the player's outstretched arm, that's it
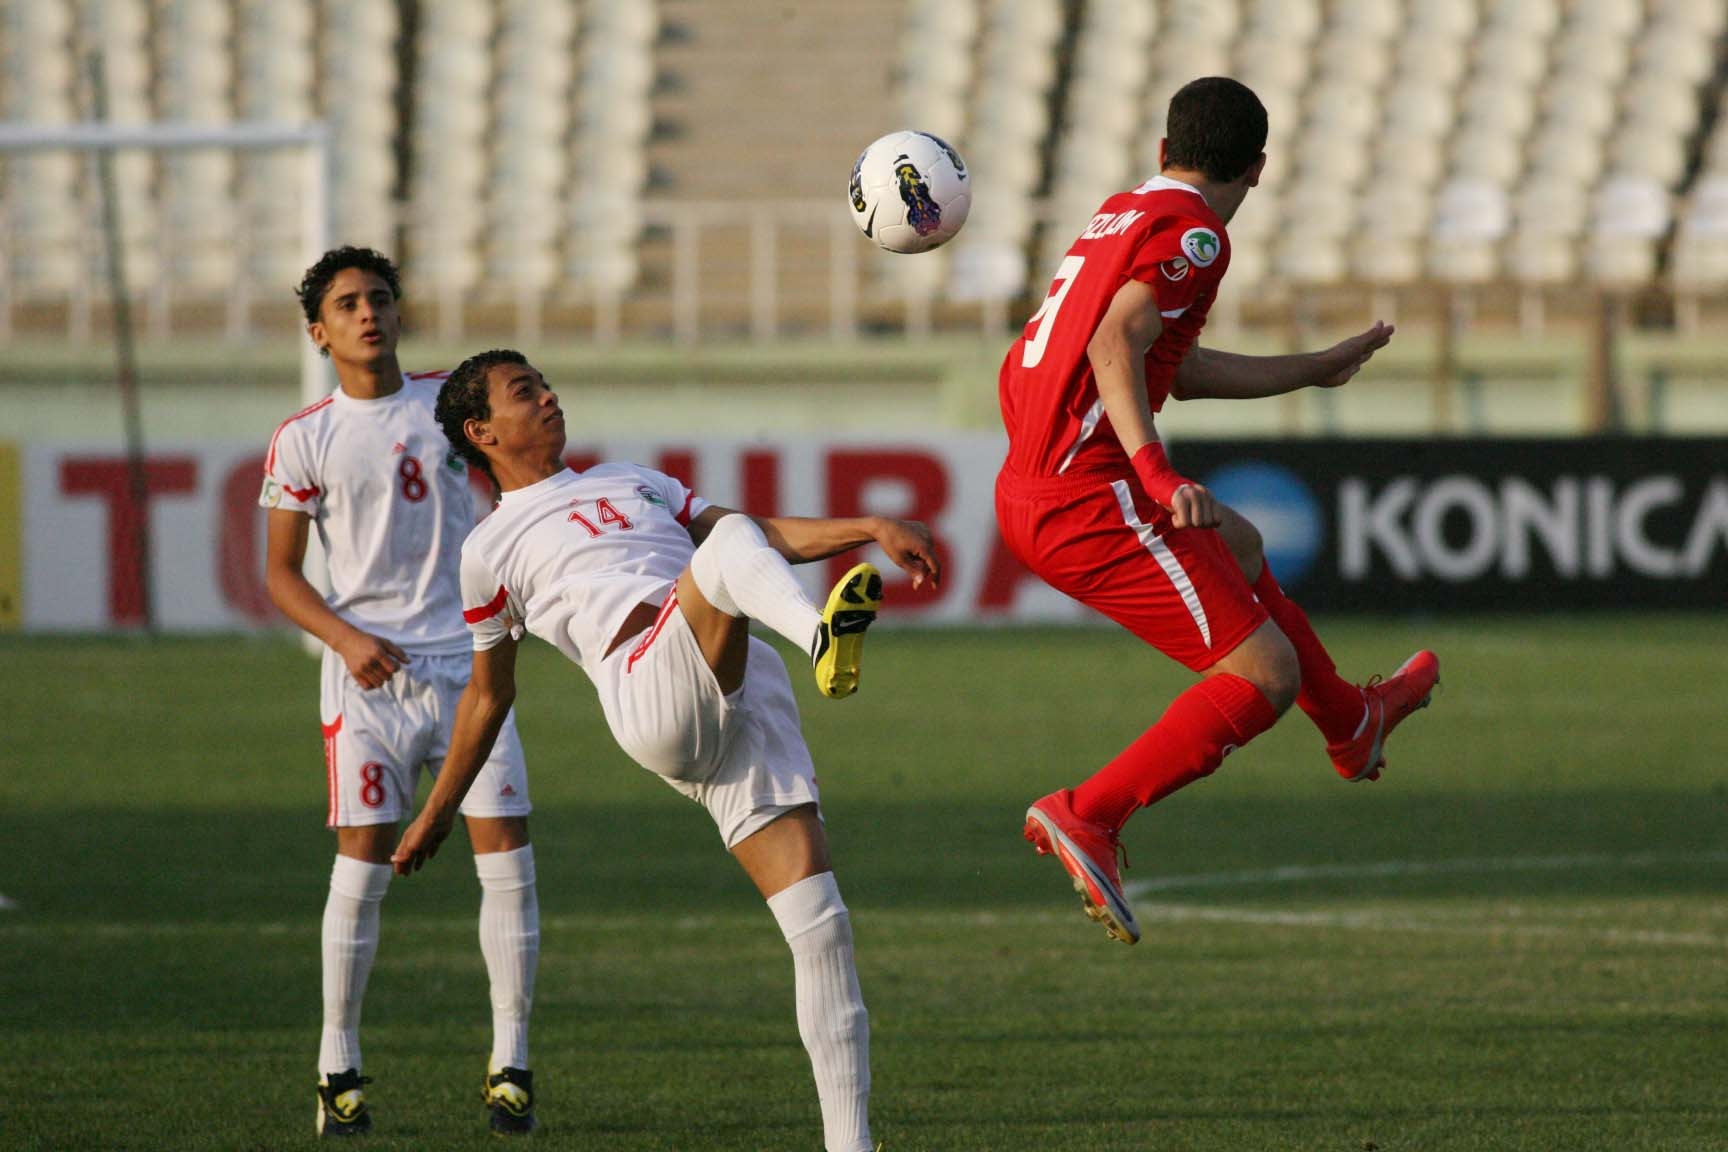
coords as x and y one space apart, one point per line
480 714
803 539
1207 373
371 660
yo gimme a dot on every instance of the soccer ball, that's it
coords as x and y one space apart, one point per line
910 192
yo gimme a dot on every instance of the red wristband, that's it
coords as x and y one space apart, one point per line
1156 476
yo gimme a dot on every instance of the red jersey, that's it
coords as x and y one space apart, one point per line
1162 233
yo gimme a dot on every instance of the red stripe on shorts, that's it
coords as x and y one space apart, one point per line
659 623
330 731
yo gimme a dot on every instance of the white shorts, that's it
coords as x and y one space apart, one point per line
742 757
376 741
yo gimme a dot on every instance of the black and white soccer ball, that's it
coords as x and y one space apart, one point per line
910 192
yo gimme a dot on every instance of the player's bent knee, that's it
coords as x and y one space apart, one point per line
497 833
1267 660
371 843
1282 675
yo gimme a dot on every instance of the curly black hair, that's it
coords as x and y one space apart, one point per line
316 283
464 397
1216 126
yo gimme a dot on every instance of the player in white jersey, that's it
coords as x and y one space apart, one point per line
650 590
369 466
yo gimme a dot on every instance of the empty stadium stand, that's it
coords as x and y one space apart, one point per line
674 166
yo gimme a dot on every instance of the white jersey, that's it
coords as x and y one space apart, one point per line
570 557
391 502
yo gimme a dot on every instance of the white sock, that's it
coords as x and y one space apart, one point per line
510 941
831 1018
742 575
350 941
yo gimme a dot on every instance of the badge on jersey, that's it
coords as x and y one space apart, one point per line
1201 246
272 494
1174 269
650 495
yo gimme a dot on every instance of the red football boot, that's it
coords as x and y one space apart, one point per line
1390 702
1088 851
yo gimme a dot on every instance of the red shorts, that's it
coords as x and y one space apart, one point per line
1100 539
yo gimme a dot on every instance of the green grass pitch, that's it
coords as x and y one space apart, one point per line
1517 940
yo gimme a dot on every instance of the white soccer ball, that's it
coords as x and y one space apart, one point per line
910 192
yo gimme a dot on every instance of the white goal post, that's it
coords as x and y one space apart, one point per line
311 140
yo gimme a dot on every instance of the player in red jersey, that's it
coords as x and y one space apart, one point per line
1088 500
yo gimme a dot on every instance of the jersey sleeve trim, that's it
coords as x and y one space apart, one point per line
487 610
270 460
683 516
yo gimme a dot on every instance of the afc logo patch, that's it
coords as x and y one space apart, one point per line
1201 246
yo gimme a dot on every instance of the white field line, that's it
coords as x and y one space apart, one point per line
5 904
1486 923
1496 923
1391 869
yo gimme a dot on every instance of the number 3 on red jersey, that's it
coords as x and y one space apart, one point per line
1045 318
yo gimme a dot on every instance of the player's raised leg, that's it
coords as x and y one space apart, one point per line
1354 721
788 861
741 575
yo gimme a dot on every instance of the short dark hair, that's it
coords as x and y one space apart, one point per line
316 283
464 397
1216 126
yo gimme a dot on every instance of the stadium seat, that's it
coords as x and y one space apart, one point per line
1549 219
936 59
1700 253
198 210
531 119
1392 226
356 57
1480 152
40 191
1509 57
1418 110
1629 217
1471 221
1535 18
1499 107
1268 65
1375 22
1003 148
1648 150
1452 20
1295 23
608 158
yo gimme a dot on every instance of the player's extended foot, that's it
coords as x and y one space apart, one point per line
342 1104
839 647
509 1095
1088 851
1390 702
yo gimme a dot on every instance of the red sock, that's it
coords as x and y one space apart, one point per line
1333 703
1201 726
